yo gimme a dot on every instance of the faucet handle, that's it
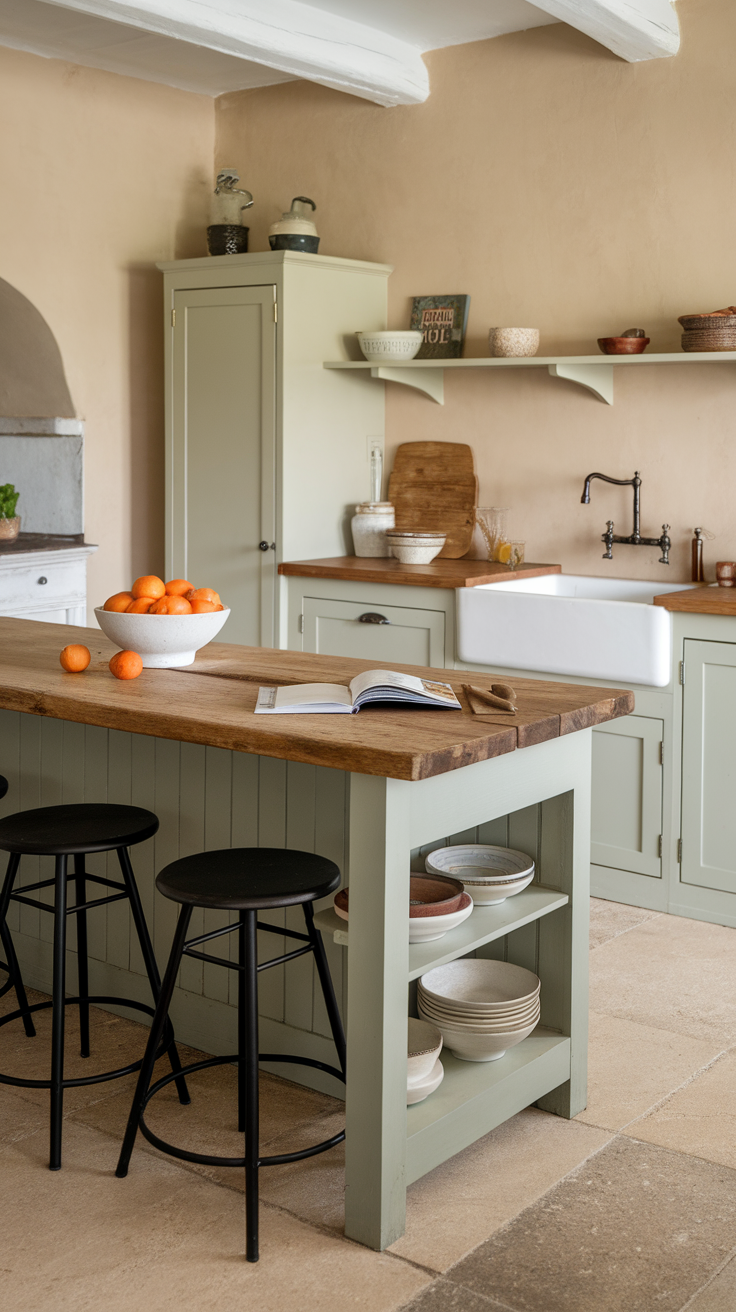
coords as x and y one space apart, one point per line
607 537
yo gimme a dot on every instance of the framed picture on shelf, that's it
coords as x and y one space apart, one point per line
442 321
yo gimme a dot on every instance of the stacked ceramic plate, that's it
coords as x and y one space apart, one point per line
436 905
489 874
710 332
481 1008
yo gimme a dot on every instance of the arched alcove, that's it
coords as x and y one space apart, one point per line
32 379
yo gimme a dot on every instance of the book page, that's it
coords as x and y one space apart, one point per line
384 679
304 697
409 687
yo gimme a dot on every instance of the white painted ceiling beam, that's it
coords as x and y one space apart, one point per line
295 38
633 29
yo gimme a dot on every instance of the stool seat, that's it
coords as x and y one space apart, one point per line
3 785
74 829
248 878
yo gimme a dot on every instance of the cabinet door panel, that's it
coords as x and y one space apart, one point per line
221 478
414 637
709 766
626 819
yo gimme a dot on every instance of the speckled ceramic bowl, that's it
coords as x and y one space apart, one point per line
161 641
512 342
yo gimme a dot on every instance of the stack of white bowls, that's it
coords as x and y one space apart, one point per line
489 874
424 1071
481 1008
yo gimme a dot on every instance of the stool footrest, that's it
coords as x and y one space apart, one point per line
206 1159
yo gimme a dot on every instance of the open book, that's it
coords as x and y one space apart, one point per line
373 687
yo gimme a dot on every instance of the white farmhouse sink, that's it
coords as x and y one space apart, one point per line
569 624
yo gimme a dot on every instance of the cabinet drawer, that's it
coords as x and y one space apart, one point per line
64 583
409 636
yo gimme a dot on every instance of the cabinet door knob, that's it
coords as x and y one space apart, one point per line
43 579
372 617
266 546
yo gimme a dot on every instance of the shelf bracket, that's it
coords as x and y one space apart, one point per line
598 378
430 381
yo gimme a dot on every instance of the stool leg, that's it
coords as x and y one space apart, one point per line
7 941
154 1039
250 975
149 959
82 961
58 1010
328 989
242 1100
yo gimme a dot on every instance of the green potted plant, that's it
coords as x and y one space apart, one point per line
9 521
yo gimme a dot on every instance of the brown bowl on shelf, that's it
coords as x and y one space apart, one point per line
429 895
623 345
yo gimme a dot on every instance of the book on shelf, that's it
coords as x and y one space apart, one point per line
372 688
442 321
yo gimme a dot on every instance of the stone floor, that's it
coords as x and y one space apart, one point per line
630 1207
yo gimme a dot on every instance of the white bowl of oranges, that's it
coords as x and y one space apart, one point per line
165 623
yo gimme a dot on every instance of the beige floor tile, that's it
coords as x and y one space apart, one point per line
670 973
631 1067
609 919
455 1207
636 1228
18 1117
700 1119
165 1239
720 1294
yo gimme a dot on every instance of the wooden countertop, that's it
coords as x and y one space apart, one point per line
438 574
212 702
700 601
43 542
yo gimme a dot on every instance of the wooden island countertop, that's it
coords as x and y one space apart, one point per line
212 702
437 574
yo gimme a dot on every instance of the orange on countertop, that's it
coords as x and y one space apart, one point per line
75 658
149 585
126 664
178 588
119 601
140 606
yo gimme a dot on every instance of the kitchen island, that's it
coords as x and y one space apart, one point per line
374 792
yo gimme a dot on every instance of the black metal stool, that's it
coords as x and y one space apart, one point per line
246 880
61 832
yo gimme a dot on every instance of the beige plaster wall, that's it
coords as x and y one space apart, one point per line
566 190
101 176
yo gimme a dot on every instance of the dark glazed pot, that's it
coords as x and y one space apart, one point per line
227 239
294 241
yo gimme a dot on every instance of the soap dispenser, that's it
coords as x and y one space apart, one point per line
295 230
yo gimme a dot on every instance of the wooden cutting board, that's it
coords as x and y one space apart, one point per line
433 486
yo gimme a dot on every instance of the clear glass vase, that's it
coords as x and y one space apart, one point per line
491 521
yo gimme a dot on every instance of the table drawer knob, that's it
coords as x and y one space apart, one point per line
372 617
43 579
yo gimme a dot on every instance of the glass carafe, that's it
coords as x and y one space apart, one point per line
491 521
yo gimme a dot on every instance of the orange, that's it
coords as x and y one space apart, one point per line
75 658
119 601
203 607
171 606
126 664
140 606
149 585
204 594
220 607
178 588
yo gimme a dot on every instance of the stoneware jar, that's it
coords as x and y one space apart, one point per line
513 341
369 524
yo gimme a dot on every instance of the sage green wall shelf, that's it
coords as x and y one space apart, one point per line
594 372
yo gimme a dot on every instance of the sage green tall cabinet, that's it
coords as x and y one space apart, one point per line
266 452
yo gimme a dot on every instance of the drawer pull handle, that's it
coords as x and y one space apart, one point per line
43 579
372 617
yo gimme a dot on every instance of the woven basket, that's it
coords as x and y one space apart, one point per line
710 341
707 322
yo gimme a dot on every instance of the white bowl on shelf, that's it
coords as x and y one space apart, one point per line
162 641
507 1021
422 1089
480 986
491 874
423 1048
471 1045
425 929
381 347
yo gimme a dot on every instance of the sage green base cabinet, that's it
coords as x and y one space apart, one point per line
663 777
207 798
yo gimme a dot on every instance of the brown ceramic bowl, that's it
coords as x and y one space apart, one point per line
623 345
429 895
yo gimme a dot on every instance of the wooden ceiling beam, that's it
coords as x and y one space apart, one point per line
287 35
633 29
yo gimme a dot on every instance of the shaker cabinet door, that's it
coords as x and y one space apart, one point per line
221 452
709 766
626 815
